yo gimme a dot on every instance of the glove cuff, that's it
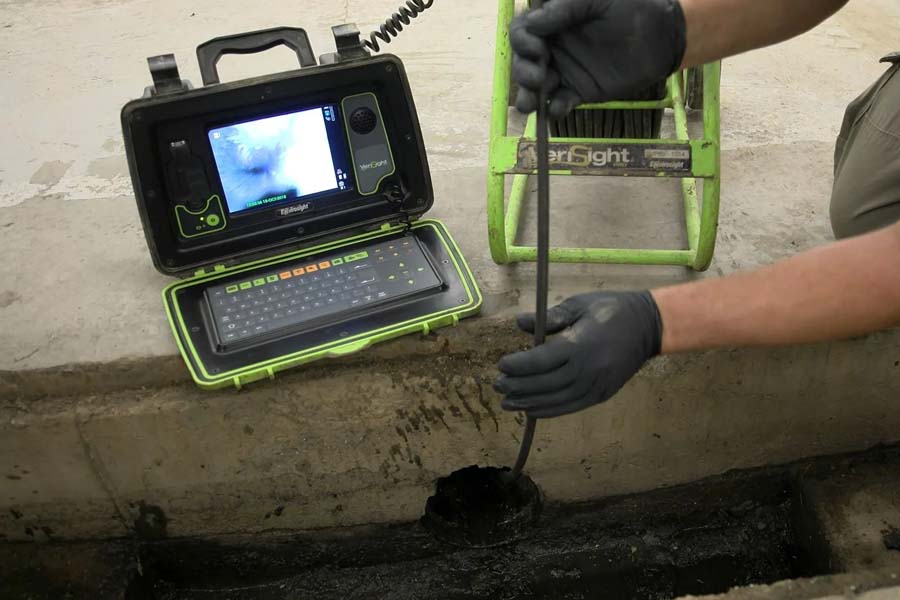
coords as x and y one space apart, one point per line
655 332
679 34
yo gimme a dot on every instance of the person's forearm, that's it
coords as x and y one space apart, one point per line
718 29
841 290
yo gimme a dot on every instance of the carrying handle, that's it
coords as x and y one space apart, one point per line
209 53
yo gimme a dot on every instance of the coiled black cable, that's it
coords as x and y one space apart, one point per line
392 27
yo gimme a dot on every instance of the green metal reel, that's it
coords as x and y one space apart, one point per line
632 124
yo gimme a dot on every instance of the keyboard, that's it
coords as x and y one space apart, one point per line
316 292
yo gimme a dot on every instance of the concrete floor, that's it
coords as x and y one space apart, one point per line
83 447
70 229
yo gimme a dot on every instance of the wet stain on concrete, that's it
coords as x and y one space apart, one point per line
248 430
8 298
50 173
13 477
16 514
111 167
277 512
151 522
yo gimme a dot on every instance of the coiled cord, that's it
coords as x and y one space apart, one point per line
392 27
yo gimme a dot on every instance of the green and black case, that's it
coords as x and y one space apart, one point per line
192 235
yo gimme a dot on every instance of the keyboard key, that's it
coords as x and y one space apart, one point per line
356 257
293 295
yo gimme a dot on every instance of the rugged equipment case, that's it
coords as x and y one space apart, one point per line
397 213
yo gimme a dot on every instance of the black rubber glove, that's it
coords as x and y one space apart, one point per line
604 339
594 50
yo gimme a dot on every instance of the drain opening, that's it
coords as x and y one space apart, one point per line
478 507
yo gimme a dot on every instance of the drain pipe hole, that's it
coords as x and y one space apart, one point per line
478 507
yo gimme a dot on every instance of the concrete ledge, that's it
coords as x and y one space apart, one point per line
864 585
97 452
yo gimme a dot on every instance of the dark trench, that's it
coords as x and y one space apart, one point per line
698 539
703 538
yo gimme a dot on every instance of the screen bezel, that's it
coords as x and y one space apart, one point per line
338 145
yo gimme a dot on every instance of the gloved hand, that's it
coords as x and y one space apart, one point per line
604 339
594 50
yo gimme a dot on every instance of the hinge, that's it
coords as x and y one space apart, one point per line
395 194
210 271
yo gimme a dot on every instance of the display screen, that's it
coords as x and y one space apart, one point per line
281 158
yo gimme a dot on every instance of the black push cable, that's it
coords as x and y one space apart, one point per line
390 29
543 255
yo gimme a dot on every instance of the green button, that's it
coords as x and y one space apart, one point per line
357 256
411 282
420 269
272 278
259 282
338 261
213 220
231 289
392 277
246 285
402 265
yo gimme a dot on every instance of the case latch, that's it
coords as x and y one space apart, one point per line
349 46
166 79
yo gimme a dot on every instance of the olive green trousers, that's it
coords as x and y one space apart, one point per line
866 194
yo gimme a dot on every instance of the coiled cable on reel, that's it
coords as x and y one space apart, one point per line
392 27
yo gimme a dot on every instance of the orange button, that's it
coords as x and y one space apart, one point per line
299 272
286 275
312 269
324 265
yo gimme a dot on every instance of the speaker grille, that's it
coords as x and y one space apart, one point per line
363 120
